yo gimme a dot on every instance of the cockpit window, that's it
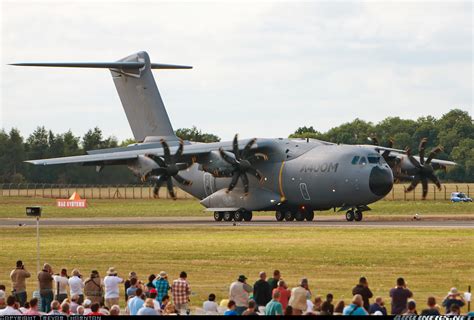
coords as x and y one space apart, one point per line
363 161
373 158
355 160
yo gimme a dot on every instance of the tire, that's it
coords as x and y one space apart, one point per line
350 215
248 216
310 215
300 215
280 216
239 215
228 216
218 216
358 215
289 215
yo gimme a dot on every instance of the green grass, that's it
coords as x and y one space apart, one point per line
14 207
431 260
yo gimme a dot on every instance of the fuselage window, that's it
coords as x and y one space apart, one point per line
363 161
373 159
355 159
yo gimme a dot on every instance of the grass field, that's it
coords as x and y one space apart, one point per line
431 260
14 207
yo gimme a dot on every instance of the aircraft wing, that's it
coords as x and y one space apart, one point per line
434 161
121 155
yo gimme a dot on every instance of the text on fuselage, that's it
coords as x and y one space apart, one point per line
320 167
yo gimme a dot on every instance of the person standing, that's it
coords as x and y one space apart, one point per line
111 283
239 293
298 298
400 295
132 289
274 307
262 293
45 278
273 282
285 294
93 289
18 277
363 289
162 286
127 282
181 293
61 281
453 298
76 286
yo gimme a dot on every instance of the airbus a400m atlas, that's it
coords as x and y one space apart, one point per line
291 177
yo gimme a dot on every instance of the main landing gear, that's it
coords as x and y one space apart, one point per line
240 215
294 214
354 215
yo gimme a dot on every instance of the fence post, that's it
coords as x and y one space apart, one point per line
434 192
457 188
444 192
133 191
404 193
468 191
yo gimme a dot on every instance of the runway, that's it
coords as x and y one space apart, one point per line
326 222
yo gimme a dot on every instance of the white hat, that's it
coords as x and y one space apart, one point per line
453 292
87 303
377 313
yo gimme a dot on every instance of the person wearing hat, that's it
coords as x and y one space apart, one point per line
76 285
453 298
298 298
239 293
162 286
45 278
18 277
111 283
93 289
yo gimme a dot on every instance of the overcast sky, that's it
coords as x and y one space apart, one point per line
260 68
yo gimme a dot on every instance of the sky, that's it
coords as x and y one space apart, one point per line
261 68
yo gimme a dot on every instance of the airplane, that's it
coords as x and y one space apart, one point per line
292 177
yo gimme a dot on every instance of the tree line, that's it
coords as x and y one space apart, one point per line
454 131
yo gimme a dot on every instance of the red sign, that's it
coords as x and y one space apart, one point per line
74 201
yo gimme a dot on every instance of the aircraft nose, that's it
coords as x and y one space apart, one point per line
380 181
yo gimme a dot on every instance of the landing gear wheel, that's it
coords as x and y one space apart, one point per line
218 216
239 215
228 216
289 215
310 215
350 215
300 215
248 216
358 215
280 216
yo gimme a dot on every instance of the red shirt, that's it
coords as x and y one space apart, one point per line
95 314
284 296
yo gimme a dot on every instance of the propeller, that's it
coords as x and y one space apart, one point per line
392 161
242 163
423 169
168 169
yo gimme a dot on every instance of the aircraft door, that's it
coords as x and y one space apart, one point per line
209 184
304 191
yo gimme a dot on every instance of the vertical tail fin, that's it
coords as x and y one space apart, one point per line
138 93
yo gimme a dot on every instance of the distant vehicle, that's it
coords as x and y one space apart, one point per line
460 197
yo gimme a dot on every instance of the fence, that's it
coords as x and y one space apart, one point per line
58 191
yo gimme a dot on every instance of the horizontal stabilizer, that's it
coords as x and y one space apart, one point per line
106 65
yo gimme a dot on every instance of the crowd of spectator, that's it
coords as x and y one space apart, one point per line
63 294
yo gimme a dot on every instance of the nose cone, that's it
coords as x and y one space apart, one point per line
380 181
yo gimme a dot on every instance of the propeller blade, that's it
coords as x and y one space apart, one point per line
413 161
247 148
390 143
166 150
179 152
158 171
245 181
235 147
182 180
156 189
227 157
421 150
402 176
158 182
414 183
434 179
256 173
157 159
433 153
424 184
169 185
233 182
374 140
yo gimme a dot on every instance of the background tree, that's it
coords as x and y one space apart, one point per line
196 135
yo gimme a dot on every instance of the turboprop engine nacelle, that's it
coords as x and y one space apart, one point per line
215 165
142 165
